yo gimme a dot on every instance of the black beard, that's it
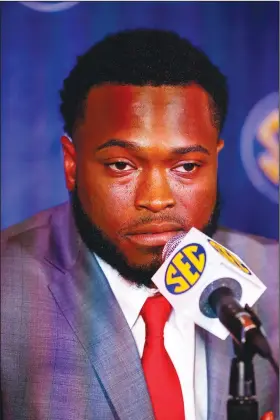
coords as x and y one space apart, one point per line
97 242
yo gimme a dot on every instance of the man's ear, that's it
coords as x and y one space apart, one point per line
220 145
69 159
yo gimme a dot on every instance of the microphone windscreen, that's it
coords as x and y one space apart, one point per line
172 244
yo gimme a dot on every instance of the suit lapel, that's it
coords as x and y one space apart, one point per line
87 302
219 354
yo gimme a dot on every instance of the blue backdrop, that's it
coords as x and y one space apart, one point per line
40 42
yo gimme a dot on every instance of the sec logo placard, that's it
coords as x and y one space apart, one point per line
259 148
229 256
185 268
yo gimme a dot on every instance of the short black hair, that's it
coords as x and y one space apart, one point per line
142 57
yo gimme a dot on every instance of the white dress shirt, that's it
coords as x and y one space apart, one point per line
184 348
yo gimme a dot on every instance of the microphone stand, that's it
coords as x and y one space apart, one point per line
242 403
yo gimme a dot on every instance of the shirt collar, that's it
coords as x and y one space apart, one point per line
130 297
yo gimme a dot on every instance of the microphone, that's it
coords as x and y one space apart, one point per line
242 324
209 283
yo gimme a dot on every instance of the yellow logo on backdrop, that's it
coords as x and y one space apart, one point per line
185 269
267 135
260 146
229 256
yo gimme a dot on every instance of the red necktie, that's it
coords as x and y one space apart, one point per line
161 377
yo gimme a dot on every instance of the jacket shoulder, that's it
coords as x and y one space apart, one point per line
259 253
244 243
28 232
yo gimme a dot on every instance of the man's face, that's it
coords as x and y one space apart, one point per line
144 166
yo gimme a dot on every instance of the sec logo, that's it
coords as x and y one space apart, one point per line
229 256
260 146
185 269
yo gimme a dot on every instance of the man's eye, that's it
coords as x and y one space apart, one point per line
187 167
119 166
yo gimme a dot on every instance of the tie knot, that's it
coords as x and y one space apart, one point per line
155 312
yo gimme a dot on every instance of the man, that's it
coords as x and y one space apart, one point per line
143 112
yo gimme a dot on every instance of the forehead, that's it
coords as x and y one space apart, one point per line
147 108
118 98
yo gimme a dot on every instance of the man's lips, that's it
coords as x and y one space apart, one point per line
156 234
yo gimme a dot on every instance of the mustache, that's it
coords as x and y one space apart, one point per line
149 219
174 218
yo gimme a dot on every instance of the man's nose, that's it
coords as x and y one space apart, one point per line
153 191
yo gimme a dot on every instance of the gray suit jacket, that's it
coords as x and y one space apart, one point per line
67 352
